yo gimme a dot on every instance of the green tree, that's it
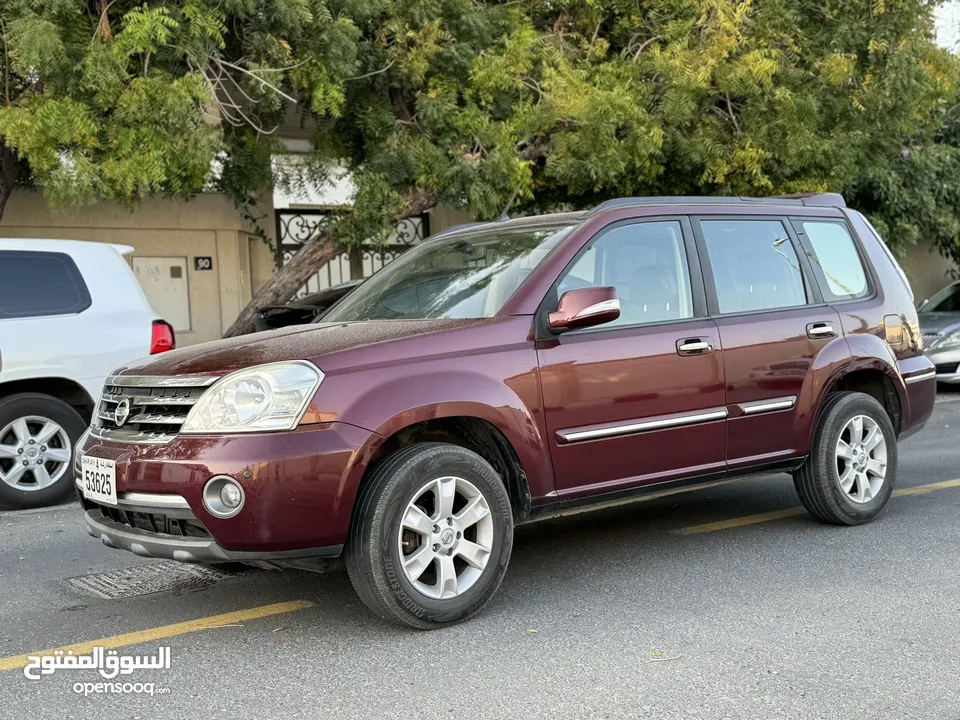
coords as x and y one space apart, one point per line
575 101
913 195
462 101
113 99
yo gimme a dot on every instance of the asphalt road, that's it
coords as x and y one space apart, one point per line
717 603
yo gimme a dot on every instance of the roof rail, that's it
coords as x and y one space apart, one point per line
800 199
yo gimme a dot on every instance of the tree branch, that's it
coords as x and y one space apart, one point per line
370 74
733 116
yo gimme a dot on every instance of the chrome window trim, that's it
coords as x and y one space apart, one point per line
187 381
635 426
762 406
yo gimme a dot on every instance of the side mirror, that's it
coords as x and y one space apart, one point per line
585 308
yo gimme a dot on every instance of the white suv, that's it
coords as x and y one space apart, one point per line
70 312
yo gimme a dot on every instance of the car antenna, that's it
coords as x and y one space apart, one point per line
503 216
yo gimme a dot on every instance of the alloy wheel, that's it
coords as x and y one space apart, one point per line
35 453
445 537
861 458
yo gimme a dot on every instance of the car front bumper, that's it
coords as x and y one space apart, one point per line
299 489
947 363
147 543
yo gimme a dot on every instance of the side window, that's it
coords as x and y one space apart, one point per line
835 260
754 265
34 284
647 265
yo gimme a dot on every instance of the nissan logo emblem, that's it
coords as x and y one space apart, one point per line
122 412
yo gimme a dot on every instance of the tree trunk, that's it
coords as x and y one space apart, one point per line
287 280
311 257
9 168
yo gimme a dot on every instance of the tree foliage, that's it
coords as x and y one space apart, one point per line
122 100
580 100
463 101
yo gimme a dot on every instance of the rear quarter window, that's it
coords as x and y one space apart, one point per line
38 284
834 258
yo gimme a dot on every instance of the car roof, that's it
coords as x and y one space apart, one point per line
70 247
825 200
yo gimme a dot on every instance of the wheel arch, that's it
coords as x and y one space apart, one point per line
871 376
471 431
69 391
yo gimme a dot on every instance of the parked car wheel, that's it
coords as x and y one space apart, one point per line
37 436
432 536
850 474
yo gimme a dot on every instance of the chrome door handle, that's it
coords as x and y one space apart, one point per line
821 330
694 347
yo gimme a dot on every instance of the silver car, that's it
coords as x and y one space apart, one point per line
940 325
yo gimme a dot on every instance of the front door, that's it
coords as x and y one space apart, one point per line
772 326
640 399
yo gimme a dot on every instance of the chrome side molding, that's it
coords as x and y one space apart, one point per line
762 406
636 426
928 375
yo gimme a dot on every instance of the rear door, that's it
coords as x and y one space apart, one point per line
640 399
773 324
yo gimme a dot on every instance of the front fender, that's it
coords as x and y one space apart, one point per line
505 393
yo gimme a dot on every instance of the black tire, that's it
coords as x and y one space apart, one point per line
25 405
373 551
818 481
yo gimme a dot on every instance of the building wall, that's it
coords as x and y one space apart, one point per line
927 270
205 226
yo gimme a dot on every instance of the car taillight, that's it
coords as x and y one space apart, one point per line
162 338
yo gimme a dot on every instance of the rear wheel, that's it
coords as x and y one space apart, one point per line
850 474
432 536
38 434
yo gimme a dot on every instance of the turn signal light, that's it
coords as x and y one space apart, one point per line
162 338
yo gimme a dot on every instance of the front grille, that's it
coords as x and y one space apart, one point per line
929 338
948 369
146 409
153 522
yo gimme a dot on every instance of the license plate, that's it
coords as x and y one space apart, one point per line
98 479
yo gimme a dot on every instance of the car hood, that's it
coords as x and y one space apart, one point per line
300 342
937 322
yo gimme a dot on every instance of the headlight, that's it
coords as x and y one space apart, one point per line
949 341
258 399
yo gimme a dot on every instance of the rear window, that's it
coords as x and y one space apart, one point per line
35 284
835 260
754 265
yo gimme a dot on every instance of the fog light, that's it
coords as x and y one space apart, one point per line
223 496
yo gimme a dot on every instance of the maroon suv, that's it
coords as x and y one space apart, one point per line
503 371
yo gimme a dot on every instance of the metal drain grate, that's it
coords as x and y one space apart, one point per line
164 576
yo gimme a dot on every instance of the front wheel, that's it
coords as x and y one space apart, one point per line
852 467
431 537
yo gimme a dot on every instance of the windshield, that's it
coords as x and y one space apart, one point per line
461 276
947 300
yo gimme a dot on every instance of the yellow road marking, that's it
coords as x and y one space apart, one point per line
741 521
920 489
791 512
158 633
